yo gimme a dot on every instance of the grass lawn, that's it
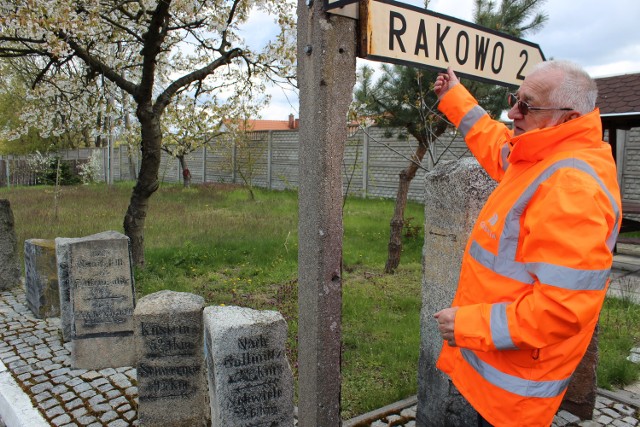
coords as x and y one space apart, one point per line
212 240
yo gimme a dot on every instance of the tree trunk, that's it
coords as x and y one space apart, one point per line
146 185
397 221
186 173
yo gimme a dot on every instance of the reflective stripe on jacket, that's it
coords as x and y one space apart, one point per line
535 271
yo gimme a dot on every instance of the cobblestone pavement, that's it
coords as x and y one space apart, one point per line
33 352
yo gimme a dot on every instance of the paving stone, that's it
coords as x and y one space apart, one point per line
109 416
610 413
120 380
24 377
42 396
39 388
101 407
49 403
88 393
97 399
107 372
73 382
605 401
624 410
79 412
631 421
118 401
123 408
604 419
59 389
62 379
40 379
61 420
99 381
86 420
112 394
131 391
58 372
75 403
569 417
105 387
90 375
118 423
82 386
130 415
54 412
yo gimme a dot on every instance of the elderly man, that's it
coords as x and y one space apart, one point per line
535 270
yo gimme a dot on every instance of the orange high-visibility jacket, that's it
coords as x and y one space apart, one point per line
535 270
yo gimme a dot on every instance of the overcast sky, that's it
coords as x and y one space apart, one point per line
602 36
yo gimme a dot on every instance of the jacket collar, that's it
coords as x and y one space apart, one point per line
579 133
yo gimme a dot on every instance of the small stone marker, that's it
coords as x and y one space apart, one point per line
170 360
250 380
97 299
9 269
41 278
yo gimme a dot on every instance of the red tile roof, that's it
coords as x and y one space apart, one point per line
258 125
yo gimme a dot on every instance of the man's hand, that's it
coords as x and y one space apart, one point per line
444 82
446 321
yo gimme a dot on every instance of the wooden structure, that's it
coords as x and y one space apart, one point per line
619 103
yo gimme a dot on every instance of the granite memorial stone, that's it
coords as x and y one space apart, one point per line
250 380
9 267
97 299
456 192
41 278
170 360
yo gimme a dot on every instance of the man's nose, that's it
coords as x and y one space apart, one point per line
514 113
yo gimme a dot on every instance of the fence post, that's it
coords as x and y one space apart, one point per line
269 153
204 164
365 162
234 152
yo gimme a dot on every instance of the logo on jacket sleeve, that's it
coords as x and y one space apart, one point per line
491 223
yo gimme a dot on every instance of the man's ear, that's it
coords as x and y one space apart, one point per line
572 115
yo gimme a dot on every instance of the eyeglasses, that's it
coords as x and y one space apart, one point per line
524 108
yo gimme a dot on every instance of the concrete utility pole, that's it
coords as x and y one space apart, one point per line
326 76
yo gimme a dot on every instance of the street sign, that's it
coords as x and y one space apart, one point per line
409 35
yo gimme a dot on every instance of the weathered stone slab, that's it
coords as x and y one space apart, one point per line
9 267
250 380
41 278
580 398
454 195
97 299
170 360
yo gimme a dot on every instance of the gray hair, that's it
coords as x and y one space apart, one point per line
576 90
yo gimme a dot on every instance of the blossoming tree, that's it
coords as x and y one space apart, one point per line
152 51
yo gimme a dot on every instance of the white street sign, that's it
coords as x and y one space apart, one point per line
404 34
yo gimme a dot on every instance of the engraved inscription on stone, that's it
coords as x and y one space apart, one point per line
255 372
165 340
250 381
162 382
169 360
101 287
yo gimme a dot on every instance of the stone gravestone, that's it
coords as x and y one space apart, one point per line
170 360
455 193
250 380
97 299
9 269
41 278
